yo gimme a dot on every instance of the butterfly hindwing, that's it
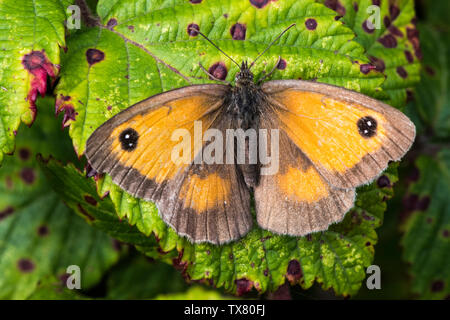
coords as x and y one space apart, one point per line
297 200
135 147
349 137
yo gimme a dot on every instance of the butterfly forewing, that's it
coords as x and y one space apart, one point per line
349 137
205 203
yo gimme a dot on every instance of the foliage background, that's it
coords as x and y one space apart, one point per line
51 216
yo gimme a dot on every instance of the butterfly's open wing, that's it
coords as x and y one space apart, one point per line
296 200
347 136
137 147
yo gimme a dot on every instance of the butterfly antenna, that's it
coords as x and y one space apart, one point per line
271 44
193 29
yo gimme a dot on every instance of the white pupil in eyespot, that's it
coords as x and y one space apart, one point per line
127 136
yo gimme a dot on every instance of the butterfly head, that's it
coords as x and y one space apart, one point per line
244 76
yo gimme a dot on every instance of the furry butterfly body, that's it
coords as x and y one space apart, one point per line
330 141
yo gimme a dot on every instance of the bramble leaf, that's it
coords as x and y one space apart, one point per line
39 236
390 38
32 37
426 239
139 49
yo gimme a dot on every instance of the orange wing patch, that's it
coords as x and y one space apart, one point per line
203 194
299 185
152 155
323 127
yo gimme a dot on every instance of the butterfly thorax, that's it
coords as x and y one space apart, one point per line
245 99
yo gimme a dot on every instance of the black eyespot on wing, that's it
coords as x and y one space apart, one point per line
367 127
129 138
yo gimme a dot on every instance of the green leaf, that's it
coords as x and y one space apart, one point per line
426 239
39 236
193 293
392 45
32 37
139 49
51 288
149 279
431 105
336 258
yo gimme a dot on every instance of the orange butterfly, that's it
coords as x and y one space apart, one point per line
326 141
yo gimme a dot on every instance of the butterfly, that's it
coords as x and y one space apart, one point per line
326 142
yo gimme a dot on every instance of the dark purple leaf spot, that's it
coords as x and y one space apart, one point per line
281 64
366 216
243 286
402 72
395 11
368 243
336 6
24 154
259 3
43 230
84 212
6 212
395 31
116 244
195 1
218 70
294 271
409 95
37 63
437 286
445 233
63 278
355 6
34 60
90 200
109 108
111 23
424 203
418 53
193 30
69 114
225 15
238 31
25 265
27 175
378 63
309 237
388 41
387 21
94 56
376 2
430 71
131 28
383 182
311 24
365 68
266 272
409 56
368 27
230 256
